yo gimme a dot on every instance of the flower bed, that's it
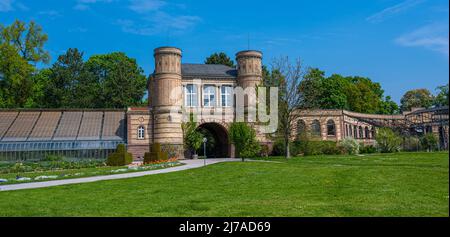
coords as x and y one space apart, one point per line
54 174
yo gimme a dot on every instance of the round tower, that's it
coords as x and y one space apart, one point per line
249 68
166 91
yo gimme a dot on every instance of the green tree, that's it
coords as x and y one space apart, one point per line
244 139
121 80
219 58
364 95
28 39
311 88
41 81
16 86
67 74
418 98
333 94
388 106
441 98
193 139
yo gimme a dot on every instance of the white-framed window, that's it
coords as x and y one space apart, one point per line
190 95
226 93
209 96
141 133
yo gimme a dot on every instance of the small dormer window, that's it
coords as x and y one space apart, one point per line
141 133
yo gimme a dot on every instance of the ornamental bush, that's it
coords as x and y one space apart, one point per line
388 141
350 145
155 154
119 158
429 141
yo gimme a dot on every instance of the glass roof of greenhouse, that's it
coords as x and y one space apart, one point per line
61 129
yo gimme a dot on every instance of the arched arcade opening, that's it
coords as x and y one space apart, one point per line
218 145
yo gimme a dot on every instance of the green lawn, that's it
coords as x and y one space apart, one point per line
405 184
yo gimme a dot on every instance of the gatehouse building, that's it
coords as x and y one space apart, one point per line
175 88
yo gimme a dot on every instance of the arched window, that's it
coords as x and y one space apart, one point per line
361 132
141 132
355 131
301 128
367 132
315 128
331 128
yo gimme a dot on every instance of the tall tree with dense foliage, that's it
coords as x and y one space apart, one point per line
357 94
67 74
122 80
418 98
219 58
441 99
388 106
28 39
16 86
311 87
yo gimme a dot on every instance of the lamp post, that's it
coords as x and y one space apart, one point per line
204 150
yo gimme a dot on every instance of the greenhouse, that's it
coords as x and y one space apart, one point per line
35 134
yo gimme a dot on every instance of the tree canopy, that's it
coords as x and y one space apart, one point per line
417 98
359 94
28 39
219 58
441 99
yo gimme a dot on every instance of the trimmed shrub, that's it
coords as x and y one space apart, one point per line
429 141
350 145
155 154
388 141
119 158
369 149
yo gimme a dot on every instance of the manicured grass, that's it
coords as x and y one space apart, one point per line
79 173
404 184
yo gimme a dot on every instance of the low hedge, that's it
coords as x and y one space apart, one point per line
119 158
307 148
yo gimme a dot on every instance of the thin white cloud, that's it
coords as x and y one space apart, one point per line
83 5
11 5
6 5
393 10
158 23
141 6
50 13
433 36
154 20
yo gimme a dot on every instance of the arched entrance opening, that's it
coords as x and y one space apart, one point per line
218 145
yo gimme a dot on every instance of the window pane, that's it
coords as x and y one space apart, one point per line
209 96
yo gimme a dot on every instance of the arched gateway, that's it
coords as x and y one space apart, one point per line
218 145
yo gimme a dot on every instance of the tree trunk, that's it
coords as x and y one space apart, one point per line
286 145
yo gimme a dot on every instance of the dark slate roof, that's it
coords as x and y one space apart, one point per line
207 71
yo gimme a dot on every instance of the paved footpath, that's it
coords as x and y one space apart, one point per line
189 164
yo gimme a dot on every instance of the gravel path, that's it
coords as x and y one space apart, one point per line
189 164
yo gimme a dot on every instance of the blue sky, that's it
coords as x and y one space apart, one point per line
403 44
